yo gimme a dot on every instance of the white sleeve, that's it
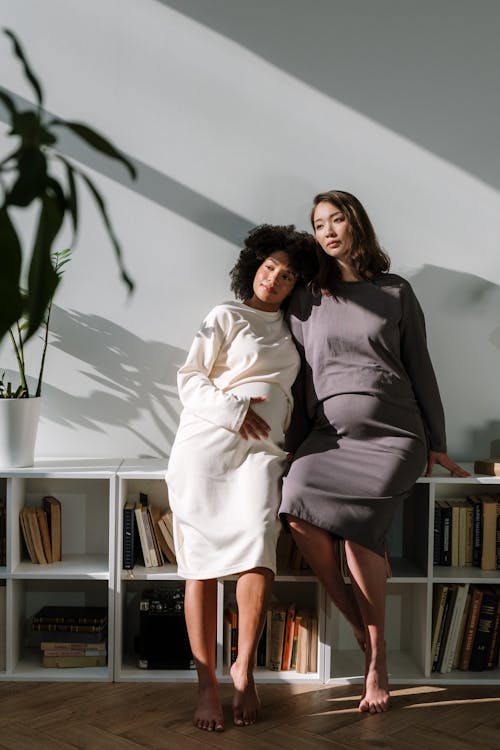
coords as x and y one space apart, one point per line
197 392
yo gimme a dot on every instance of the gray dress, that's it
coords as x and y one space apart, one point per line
367 407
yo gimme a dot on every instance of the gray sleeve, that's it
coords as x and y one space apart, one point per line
417 362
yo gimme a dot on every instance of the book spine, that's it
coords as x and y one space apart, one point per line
479 653
446 538
470 629
438 530
128 537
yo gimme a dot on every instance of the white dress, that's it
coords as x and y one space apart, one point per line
224 491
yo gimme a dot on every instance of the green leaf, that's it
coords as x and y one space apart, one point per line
11 304
102 208
32 179
98 142
28 126
42 278
8 102
27 69
73 194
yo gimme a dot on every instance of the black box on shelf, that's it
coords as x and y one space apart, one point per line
163 641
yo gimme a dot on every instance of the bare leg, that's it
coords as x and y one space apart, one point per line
253 591
200 608
368 575
318 548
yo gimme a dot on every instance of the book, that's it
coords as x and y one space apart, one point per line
455 531
470 627
140 515
25 528
158 554
164 524
52 507
477 529
44 533
45 633
286 656
461 630
68 662
494 647
489 546
449 605
278 620
312 662
489 466
36 535
445 532
71 615
437 533
454 627
78 647
129 549
231 615
480 647
438 603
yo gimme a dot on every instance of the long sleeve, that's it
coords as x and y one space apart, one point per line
417 362
197 391
301 418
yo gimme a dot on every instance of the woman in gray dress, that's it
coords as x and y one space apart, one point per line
367 421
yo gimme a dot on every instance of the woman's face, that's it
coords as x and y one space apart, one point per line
273 282
332 230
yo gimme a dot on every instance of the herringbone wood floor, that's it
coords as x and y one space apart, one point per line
135 716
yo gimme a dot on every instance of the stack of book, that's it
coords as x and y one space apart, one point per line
467 532
147 533
72 636
41 529
465 627
289 640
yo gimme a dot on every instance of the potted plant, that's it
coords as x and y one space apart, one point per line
26 178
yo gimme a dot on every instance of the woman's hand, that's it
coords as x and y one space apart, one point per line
253 425
443 459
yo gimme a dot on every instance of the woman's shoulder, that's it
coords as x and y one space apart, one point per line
301 301
391 280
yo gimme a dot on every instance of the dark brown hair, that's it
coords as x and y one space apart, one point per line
366 257
264 240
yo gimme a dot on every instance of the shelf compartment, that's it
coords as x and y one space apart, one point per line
406 637
24 599
127 667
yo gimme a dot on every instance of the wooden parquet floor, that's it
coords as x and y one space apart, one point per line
137 716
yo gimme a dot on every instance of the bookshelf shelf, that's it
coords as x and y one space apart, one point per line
93 494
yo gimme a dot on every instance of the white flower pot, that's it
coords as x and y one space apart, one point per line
19 419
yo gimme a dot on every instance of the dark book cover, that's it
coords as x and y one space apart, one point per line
129 536
446 534
477 533
438 527
480 648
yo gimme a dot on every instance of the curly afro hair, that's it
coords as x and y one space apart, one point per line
264 240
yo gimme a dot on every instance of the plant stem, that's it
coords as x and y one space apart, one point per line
19 351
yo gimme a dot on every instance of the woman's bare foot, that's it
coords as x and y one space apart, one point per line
376 696
246 702
208 714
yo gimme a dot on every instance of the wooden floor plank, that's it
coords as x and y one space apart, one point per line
151 716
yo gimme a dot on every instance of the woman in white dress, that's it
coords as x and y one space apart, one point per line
226 464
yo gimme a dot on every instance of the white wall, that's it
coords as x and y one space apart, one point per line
230 126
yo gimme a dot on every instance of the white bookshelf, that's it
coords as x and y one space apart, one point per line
93 493
84 576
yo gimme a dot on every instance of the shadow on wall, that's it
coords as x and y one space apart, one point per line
155 185
400 64
462 316
130 376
